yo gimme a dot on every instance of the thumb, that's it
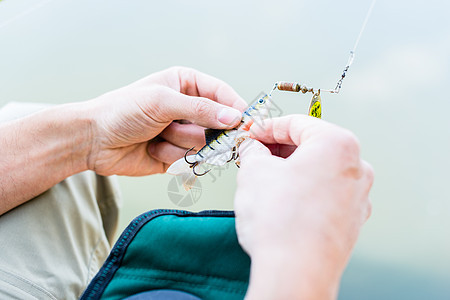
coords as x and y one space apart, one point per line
199 110
252 148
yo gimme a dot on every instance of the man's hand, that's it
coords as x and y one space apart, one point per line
135 121
300 203
126 132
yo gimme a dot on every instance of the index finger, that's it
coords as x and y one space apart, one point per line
312 134
195 83
288 130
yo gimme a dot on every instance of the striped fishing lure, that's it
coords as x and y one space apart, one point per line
221 145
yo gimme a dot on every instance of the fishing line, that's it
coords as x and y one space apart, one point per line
364 25
297 87
352 52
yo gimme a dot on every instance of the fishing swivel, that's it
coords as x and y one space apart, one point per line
292 87
192 165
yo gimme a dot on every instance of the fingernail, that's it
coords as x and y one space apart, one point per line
229 116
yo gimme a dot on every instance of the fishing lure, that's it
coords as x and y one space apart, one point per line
315 105
222 145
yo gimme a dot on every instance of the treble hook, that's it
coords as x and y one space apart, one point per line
195 173
233 153
193 164
185 154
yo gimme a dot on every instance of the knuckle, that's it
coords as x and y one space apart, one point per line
346 145
157 93
200 107
345 152
183 72
175 69
349 141
153 104
179 74
187 78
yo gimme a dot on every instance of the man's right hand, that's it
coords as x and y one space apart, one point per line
300 203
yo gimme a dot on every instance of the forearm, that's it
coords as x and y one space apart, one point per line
38 151
297 275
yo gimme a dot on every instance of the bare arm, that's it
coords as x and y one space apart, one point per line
40 150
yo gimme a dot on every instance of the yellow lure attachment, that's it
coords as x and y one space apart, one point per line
315 107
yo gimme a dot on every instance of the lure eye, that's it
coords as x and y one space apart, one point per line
261 101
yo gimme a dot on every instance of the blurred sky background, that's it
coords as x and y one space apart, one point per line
395 98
